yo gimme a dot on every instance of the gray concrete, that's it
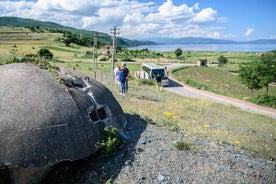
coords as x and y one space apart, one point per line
43 122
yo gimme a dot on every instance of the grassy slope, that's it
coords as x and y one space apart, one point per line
219 81
102 37
20 41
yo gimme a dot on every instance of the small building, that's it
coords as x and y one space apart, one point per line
107 49
259 54
202 62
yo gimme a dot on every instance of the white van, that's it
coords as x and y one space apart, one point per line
151 71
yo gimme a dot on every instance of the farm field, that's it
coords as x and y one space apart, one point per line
17 42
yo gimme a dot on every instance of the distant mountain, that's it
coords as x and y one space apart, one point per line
199 40
262 41
192 40
123 42
23 22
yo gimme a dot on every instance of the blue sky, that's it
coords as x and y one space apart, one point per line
237 20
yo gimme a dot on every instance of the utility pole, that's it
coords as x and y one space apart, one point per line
114 31
95 50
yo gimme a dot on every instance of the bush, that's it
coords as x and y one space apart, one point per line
182 146
45 53
196 85
146 82
110 140
222 60
264 99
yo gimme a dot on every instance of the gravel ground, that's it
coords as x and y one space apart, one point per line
149 156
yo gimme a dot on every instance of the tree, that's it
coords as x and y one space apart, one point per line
178 52
248 73
257 75
45 53
268 62
222 60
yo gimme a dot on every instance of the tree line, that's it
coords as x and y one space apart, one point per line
259 74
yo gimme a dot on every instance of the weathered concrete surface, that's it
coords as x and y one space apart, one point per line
43 122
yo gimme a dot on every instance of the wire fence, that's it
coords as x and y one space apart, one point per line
103 77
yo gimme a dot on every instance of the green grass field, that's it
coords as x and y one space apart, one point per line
219 81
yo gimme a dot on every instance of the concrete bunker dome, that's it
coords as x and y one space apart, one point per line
43 122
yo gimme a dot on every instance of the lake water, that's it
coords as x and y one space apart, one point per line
210 47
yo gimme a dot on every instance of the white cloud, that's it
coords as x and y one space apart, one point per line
168 9
249 31
205 16
214 35
136 20
196 6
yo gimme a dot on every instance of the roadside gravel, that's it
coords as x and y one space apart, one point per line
149 156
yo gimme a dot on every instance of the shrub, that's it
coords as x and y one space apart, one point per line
145 82
222 60
197 85
182 146
45 53
110 140
264 99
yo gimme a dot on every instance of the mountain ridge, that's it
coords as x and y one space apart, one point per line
201 40
24 22
124 42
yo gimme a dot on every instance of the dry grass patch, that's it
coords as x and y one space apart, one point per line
202 118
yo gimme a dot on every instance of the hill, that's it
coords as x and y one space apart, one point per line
46 25
193 40
199 40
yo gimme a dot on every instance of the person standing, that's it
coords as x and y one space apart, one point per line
159 83
122 80
116 78
126 73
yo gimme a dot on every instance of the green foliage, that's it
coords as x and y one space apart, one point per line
12 60
249 75
45 53
217 80
34 59
110 139
178 52
61 49
146 82
182 146
265 100
148 120
79 40
222 60
256 75
196 84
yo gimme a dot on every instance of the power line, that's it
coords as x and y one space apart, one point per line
114 31
95 50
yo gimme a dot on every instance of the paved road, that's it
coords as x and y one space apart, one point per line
188 91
